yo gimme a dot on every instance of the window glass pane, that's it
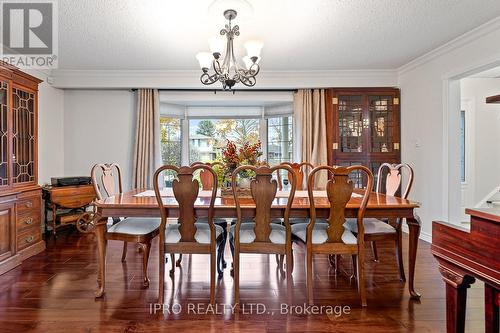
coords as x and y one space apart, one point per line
207 137
170 136
279 140
462 146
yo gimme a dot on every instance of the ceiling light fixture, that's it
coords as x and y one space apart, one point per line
225 66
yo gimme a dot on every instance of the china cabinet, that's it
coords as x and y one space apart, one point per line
20 195
363 128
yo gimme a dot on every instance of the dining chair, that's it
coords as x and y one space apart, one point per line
107 182
390 228
331 237
260 235
299 170
190 234
207 183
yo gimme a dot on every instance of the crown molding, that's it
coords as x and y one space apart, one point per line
189 79
455 43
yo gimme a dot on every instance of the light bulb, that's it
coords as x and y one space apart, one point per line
205 59
254 47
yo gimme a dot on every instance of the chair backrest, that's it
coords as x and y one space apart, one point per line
393 179
104 178
263 189
206 177
299 170
339 189
185 189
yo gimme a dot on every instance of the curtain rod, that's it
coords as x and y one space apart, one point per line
215 91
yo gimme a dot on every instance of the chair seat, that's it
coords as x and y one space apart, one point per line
135 226
202 235
291 220
216 220
372 226
247 234
319 234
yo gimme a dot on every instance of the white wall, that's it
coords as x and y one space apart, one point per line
99 127
424 86
51 133
486 132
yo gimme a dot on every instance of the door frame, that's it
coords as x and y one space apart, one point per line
451 106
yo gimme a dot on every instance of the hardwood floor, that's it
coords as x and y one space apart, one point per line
54 292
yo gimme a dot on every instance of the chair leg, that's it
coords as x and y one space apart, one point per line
146 247
231 247
178 262
212 275
281 263
333 260
124 252
223 245
354 266
374 251
289 267
399 254
361 277
172 259
236 277
161 275
309 277
220 256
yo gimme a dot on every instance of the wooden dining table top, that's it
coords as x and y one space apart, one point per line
131 199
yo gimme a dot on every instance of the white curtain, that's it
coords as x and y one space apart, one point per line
310 115
147 152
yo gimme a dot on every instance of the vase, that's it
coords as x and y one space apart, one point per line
244 183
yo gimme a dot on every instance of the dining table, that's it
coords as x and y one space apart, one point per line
143 203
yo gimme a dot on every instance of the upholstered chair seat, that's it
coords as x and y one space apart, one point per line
247 234
202 235
372 226
291 220
319 233
135 226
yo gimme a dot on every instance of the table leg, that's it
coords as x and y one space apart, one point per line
457 283
491 302
414 228
100 232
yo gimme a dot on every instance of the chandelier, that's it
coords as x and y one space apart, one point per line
225 66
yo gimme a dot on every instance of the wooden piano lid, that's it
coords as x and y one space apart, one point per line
492 214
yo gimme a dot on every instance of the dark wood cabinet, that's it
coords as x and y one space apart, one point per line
363 127
7 234
20 195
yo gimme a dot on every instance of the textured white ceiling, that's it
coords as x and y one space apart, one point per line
298 35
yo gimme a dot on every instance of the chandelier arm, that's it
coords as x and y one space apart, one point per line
208 79
217 67
248 73
248 81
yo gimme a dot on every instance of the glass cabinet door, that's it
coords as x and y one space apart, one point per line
23 136
350 122
4 134
381 111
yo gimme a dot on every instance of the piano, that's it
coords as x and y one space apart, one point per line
464 256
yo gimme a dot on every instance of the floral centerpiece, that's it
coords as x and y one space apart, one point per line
233 157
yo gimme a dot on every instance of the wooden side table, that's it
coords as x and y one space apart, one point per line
66 204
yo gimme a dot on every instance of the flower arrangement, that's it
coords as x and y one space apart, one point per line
233 157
